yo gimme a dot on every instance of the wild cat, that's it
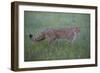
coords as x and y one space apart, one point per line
51 34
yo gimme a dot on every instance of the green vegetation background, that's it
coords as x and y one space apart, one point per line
35 22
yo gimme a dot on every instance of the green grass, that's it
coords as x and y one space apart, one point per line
35 22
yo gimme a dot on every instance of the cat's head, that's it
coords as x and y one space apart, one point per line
77 29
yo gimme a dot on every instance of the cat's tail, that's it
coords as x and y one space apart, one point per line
38 38
30 36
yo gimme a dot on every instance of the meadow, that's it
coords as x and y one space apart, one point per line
35 22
